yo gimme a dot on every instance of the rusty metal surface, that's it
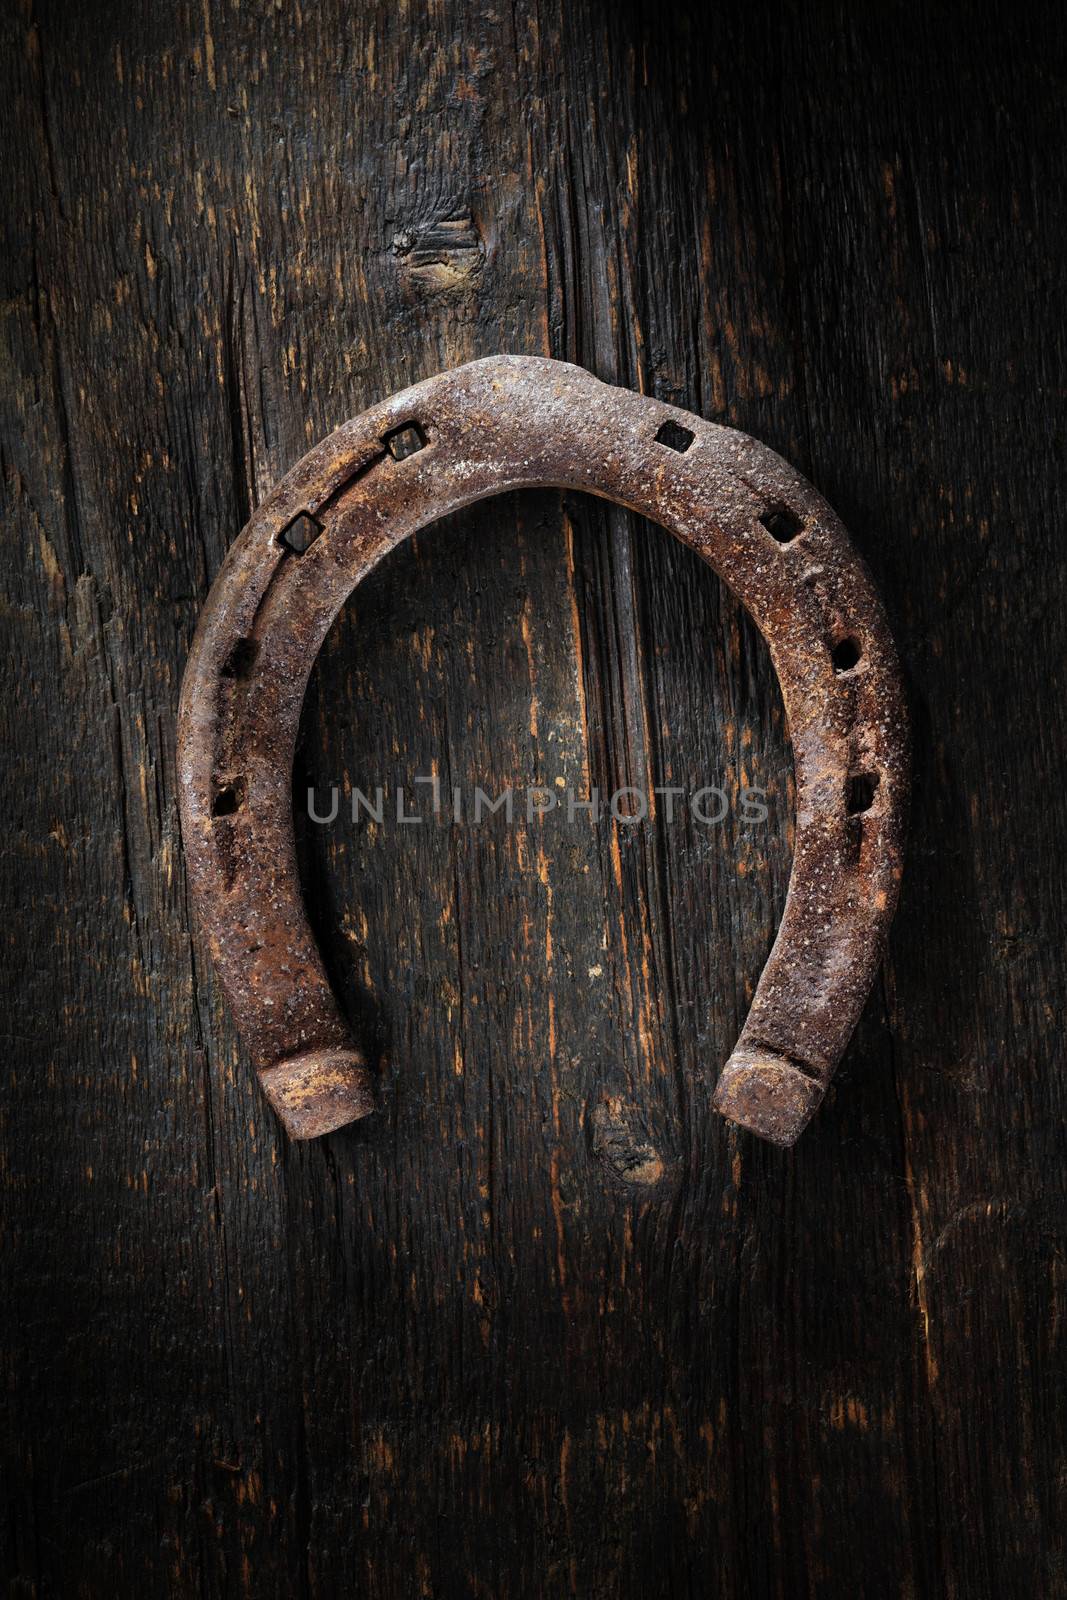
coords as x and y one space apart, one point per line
494 425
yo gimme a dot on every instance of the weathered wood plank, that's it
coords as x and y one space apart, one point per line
543 1325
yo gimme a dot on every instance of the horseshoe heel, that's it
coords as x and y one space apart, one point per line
507 423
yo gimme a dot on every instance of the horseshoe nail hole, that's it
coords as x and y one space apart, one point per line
845 655
675 437
859 796
241 659
301 533
227 801
782 524
405 441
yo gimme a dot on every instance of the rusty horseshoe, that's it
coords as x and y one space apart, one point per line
506 423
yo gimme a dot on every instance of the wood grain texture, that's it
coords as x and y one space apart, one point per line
542 1326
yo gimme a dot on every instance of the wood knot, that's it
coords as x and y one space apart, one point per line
622 1145
441 256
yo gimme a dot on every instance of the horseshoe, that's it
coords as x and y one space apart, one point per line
507 423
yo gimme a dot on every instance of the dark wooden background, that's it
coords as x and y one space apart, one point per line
544 1326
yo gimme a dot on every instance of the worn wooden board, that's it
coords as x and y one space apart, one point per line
543 1326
